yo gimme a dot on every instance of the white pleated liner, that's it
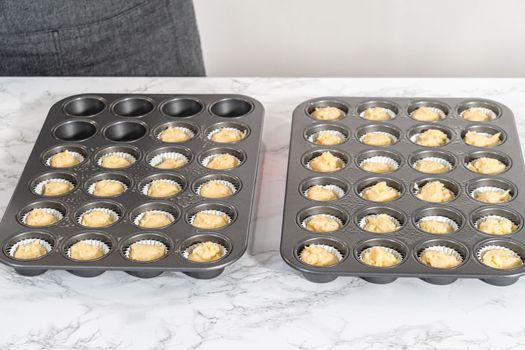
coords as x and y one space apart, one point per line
307 219
159 158
139 217
39 188
213 132
114 216
438 218
414 137
77 156
91 188
56 213
394 252
146 242
145 189
441 114
390 112
392 137
43 243
380 159
328 248
485 111
186 253
124 155
443 249
483 189
95 242
209 158
487 248
213 212
313 137
187 131
339 192
343 164
434 159
222 182
362 222
497 217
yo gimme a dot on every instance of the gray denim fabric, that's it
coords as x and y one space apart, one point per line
99 38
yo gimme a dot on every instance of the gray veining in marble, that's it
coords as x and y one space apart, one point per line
258 302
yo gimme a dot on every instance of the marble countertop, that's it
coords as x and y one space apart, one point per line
259 302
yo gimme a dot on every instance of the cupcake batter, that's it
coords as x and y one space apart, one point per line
436 227
326 162
321 193
501 259
425 114
108 188
377 114
380 223
210 220
154 219
206 252
317 255
328 138
439 259
432 138
497 226
64 159
170 163
380 192
140 251
31 250
223 162
56 188
215 189
114 161
322 223
379 257
493 197
377 139
435 192
475 115
85 251
327 113
228 135
162 188
39 218
429 166
478 139
96 218
487 166
174 134
377 167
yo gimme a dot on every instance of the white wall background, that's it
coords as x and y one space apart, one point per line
412 38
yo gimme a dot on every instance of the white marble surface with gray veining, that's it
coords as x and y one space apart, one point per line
259 302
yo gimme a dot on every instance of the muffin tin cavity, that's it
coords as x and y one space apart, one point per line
133 107
118 178
147 238
130 154
88 106
163 208
79 153
187 246
316 133
53 208
330 212
337 186
125 131
38 184
328 103
487 131
331 244
232 182
490 109
181 155
181 108
207 156
171 179
231 108
214 209
45 239
189 129
111 209
75 130
514 248
242 131
98 239
426 191
398 249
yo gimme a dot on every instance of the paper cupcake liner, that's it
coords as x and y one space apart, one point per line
213 132
390 112
328 248
56 213
77 156
39 188
488 248
438 218
43 243
145 189
434 159
339 192
497 217
380 159
313 137
211 211
124 155
394 252
392 137
362 222
95 242
414 138
443 249
91 188
485 111
416 188
222 182
114 216
186 253
139 217
209 158
187 131
366 188
146 242
484 189
159 158
441 114
307 219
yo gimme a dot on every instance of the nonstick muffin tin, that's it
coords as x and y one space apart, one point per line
98 124
348 242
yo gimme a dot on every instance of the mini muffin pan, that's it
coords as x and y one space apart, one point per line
463 213
95 125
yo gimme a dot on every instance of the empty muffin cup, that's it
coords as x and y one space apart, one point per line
231 108
181 107
75 130
125 131
133 107
85 106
